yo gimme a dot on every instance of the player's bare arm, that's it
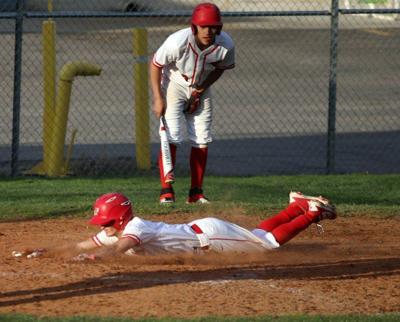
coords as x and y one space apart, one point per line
85 245
194 100
73 249
119 248
211 79
67 250
155 79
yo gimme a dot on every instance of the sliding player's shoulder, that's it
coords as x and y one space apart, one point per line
140 224
136 222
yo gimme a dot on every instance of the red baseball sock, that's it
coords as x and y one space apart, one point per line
198 162
286 232
172 148
292 211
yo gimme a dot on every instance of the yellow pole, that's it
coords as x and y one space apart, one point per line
67 74
141 99
69 151
49 83
50 5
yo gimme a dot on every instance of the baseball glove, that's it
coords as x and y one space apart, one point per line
193 103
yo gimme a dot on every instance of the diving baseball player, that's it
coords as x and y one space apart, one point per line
182 71
122 232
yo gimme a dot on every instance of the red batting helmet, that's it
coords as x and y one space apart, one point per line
206 14
113 209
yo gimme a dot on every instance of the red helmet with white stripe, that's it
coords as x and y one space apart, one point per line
206 14
112 209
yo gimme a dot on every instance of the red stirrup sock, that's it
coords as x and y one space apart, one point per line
287 231
198 162
285 216
172 148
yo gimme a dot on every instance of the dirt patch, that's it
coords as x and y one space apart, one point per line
354 267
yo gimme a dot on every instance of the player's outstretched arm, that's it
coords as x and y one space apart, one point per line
118 248
85 245
57 251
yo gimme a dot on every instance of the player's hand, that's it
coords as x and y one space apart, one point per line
29 253
84 257
159 107
193 103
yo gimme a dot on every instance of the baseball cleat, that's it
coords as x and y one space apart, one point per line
166 200
200 199
167 196
321 211
298 196
196 196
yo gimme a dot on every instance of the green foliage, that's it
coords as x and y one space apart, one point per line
356 194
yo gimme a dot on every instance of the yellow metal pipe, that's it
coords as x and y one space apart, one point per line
50 5
141 99
69 150
67 74
49 85
49 89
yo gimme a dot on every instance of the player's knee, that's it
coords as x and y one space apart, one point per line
175 142
199 146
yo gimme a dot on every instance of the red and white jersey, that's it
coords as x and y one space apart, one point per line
160 238
183 62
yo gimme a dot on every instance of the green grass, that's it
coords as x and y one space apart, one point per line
356 194
289 318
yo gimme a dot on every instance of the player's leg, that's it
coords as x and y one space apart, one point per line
298 205
167 194
289 213
198 162
175 99
199 129
316 212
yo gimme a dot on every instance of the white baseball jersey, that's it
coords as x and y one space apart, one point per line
186 64
160 238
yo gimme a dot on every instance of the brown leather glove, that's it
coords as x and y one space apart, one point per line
193 103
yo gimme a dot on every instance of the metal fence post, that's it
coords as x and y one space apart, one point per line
17 88
330 156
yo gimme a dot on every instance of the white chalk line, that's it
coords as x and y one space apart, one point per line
30 274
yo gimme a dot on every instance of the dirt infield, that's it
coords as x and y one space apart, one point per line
354 267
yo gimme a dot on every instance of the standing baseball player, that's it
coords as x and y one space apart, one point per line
182 71
122 232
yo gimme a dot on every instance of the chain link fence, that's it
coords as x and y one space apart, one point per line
300 99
